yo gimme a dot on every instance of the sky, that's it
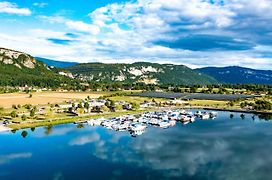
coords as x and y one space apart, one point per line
196 33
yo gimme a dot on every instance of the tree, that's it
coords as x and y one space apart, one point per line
231 103
104 108
193 89
79 105
135 106
80 110
87 105
32 112
30 95
28 106
13 114
23 117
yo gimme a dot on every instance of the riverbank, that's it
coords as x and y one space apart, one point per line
240 110
50 122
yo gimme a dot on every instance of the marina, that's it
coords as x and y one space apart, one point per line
137 124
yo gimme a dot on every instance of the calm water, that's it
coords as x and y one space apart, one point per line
213 149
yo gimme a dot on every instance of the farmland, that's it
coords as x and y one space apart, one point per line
41 98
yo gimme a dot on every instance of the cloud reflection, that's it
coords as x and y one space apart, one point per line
85 139
216 151
9 157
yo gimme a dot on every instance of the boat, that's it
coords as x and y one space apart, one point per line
213 115
142 120
164 124
205 116
198 114
192 118
172 122
184 118
154 121
137 129
95 122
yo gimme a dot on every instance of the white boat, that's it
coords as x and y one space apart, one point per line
109 123
185 122
172 122
174 115
184 118
154 121
213 115
164 124
91 122
142 120
137 129
205 116
95 122
192 118
198 114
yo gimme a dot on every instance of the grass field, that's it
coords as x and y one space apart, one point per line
135 99
41 98
208 103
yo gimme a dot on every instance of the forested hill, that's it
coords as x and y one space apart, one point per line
239 75
20 69
149 73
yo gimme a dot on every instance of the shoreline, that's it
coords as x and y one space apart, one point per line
239 111
67 120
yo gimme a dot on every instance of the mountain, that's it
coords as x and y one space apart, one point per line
57 64
149 73
20 69
238 75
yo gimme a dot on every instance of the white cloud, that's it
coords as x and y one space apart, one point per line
82 27
126 32
12 8
73 25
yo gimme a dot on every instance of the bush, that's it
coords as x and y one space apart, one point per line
13 114
32 112
24 117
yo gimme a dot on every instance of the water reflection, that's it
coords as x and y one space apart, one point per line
48 130
7 158
24 134
225 148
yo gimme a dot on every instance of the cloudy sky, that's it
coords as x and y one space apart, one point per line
191 32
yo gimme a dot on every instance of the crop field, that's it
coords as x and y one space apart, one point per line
41 98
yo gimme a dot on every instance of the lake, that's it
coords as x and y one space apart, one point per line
224 148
